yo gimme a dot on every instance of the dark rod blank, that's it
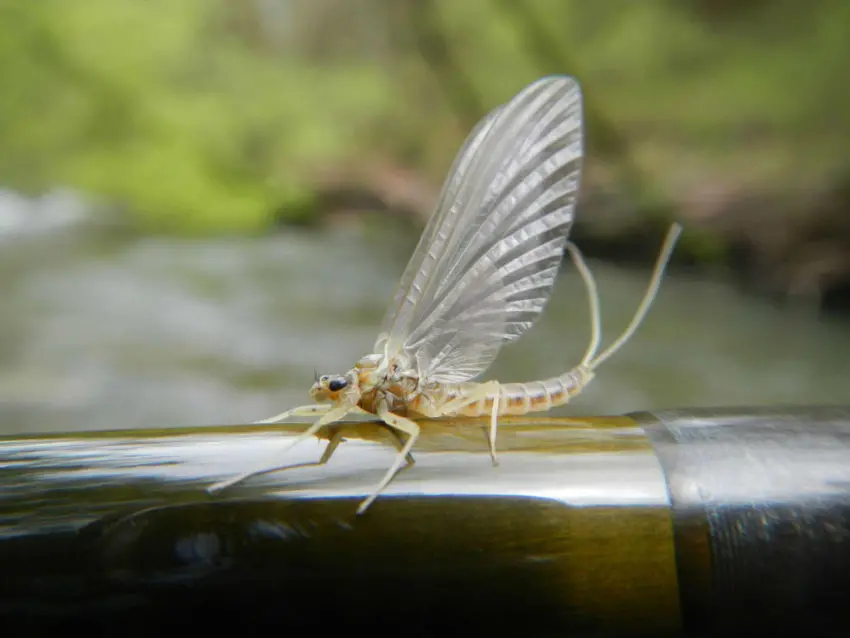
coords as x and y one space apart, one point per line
688 522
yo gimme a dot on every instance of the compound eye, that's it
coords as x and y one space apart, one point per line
337 384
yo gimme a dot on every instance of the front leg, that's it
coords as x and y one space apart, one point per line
302 410
331 447
331 415
401 424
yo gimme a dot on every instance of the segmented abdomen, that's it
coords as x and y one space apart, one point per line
535 396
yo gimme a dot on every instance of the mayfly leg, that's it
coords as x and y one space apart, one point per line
486 390
333 444
331 448
334 414
410 428
302 410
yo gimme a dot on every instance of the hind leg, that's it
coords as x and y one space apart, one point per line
488 390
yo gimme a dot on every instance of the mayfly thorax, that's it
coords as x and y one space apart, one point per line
480 276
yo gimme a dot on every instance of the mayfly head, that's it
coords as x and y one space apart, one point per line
335 388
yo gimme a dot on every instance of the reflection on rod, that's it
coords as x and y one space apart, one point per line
709 522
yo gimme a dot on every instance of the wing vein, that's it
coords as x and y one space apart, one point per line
484 268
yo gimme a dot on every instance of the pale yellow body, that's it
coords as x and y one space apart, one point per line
407 395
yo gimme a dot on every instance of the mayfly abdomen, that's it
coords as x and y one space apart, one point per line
535 396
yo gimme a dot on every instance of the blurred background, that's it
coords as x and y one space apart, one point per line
202 201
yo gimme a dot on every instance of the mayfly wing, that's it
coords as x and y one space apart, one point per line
409 289
487 261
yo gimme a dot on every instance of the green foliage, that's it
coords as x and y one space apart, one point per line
212 115
756 96
152 106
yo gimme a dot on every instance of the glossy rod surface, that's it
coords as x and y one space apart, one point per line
112 526
649 524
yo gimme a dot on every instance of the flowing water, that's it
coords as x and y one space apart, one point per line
99 332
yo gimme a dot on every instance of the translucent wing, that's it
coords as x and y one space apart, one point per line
486 263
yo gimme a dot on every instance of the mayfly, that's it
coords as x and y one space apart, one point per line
480 276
